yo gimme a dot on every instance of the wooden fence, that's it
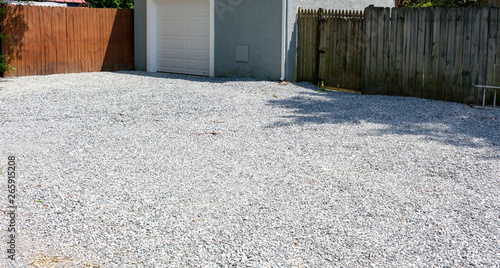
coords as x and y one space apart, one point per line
330 47
435 53
50 40
431 53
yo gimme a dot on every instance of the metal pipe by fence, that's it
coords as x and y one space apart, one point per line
484 93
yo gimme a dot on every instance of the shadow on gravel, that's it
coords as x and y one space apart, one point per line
191 78
446 122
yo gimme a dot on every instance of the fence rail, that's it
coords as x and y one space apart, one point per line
50 40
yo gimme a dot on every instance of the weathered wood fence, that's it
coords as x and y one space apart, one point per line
330 47
435 53
431 53
50 40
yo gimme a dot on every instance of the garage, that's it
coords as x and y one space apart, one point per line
221 38
180 36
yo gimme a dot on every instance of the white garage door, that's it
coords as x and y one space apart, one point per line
183 36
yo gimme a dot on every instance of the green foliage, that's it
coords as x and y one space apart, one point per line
439 3
124 4
3 37
4 65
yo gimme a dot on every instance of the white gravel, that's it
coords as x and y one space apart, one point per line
153 170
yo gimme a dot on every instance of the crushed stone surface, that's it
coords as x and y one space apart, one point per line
133 169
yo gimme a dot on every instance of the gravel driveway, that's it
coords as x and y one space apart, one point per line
154 170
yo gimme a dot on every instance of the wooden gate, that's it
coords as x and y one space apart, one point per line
330 48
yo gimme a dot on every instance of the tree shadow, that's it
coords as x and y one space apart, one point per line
13 27
446 122
120 48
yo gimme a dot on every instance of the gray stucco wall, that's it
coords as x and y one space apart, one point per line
140 35
252 23
291 46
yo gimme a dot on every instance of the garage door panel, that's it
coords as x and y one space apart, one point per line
192 64
204 46
178 26
163 44
177 44
177 63
183 36
192 26
164 62
205 64
192 45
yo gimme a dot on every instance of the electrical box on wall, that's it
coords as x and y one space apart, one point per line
241 53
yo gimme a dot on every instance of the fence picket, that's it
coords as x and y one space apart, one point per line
399 56
426 91
450 54
308 42
16 32
367 50
45 32
490 53
457 68
35 20
349 70
93 42
483 45
323 46
406 53
492 36
300 49
379 56
341 51
467 90
413 39
474 61
497 57
392 50
385 49
359 52
420 53
374 71
88 42
307 47
443 40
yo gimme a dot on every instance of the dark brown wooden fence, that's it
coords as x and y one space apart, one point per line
51 40
330 47
435 53
431 53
